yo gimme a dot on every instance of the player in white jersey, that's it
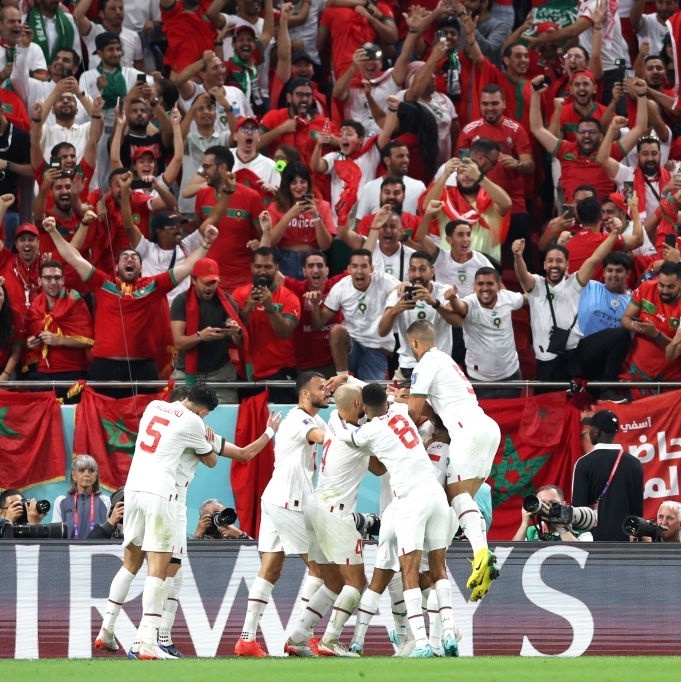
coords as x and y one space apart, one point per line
165 431
421 513
184 473
282 524
475 436
335 542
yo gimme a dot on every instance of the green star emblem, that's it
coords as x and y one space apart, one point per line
4 429
119 438
513 476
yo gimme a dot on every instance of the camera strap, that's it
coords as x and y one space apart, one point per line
606 487
549 298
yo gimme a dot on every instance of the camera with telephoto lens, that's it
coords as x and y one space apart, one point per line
641 528
580 518
368 525
225 517
41 531
41 506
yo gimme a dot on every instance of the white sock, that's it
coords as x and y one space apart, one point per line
258 598
471 521
118 593
345 604
443 596
316 609
310 586
367 607
434 622
417 624
171 590
399 610
152 606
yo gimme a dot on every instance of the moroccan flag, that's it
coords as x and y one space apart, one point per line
31 439
540 442
248 479
106 428
674 27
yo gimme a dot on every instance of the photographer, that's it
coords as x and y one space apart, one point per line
536 525
22 518
211 528
665 528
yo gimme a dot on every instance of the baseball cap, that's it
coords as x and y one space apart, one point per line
244 27
301 56
243 120
617 198
546 27
603 420
105 39
27 227
583 72
207 270
164 219
143 150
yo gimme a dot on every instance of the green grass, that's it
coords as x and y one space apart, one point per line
480 669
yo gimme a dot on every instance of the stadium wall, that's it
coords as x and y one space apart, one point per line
552 599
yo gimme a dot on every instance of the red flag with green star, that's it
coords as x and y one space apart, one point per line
539 448
106 428
31 439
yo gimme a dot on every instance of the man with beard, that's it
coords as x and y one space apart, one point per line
578 160
422 299
282 525
60 330
553 300
361 296
297 124
53 28
653 316
395 158
515 153
463 191
485 317
270 312
650 179
132 326
111 14
235 209
582 103
652 28
229 101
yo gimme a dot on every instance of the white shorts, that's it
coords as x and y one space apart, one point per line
386 551
282 530
454 526
180 548
333 536
149 522
471 453
423 519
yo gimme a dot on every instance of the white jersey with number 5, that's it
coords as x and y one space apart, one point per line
393 438
166 430
441 380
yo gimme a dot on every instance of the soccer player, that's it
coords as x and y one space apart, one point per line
282 525
476 436
422 519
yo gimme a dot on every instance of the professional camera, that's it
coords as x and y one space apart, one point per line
580 518
42 507
50 531
640 528
368 525
226 517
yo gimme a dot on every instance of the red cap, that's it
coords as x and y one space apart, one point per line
243 120
27 227
618 199
244 27
546 27
207 270
143 150
583 72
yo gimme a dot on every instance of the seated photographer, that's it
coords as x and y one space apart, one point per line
214 526
16 509
112 528
538 514
665 528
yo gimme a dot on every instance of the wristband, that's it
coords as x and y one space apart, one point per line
394 111
481 178
657 336
198 336
436 305
412 30
269 432
37 120
218 42
93 116
4 371
228 192
205 245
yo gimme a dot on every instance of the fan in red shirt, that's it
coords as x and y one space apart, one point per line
189 33
234 209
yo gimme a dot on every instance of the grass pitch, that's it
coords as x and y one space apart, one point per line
480 669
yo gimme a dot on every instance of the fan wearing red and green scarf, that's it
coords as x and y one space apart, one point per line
208 333
45 12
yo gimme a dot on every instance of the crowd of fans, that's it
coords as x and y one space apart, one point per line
243 190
